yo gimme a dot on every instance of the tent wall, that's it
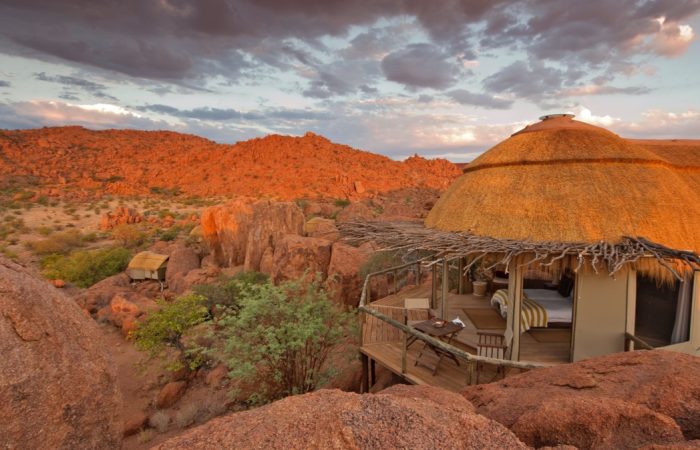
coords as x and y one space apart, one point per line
600 315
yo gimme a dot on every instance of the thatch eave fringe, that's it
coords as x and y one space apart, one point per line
414 237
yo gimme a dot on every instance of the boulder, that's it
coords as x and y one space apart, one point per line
322 228
57 384
295 256
241 231
665 382
400 417
100 294
591 423
121 215
354 212
343 271
271 221
182 261
136 422
170 394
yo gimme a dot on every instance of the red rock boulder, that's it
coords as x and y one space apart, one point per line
182 261
121 215
399 417
57 385
665 382
295 256
242 231
343 271
593 423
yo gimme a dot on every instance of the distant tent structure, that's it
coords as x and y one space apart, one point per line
148 266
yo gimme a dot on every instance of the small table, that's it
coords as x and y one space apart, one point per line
445 333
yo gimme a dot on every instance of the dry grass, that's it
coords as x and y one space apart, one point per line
160 420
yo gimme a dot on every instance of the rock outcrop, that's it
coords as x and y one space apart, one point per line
399 417
241 231
120 216
635 395
295 256
182 261
57 388
343 278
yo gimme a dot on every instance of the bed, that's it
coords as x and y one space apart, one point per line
541 307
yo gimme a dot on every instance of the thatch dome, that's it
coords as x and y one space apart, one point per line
561 180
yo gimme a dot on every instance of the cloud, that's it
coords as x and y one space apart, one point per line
599 89
421 65
465 97
4 83
673 38
660 124
36 114
92 88
530 80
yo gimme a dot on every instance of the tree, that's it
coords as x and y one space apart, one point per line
281 337
165 328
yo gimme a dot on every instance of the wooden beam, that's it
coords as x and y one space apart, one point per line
638 341
450 348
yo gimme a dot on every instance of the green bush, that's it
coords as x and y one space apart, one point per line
224 295
164 329
281 337
85 268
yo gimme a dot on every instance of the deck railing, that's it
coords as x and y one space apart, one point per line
631 341
397 329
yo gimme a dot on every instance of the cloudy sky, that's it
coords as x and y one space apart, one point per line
440 78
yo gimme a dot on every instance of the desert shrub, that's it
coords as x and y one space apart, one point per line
165 328
160 421
281 337
341 202
44 231
144 436
225 294
186 416
86 267
58 243
128 235
167 235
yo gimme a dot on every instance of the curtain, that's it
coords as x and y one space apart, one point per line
681 326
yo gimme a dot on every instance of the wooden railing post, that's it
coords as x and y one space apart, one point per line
396 281
404 344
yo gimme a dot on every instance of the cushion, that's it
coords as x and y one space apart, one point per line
566 285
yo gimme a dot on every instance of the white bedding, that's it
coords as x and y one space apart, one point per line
559 309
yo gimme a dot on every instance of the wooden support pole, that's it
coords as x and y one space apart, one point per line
445 288
396 281
364 383
460 269
372 372
404 344
433 287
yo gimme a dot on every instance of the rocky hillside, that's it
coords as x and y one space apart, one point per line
128 162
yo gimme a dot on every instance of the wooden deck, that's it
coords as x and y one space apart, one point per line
449 376
383 343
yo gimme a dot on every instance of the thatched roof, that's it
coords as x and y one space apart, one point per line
567 193
561 180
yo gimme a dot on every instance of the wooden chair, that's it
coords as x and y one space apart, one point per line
496 344
412 309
